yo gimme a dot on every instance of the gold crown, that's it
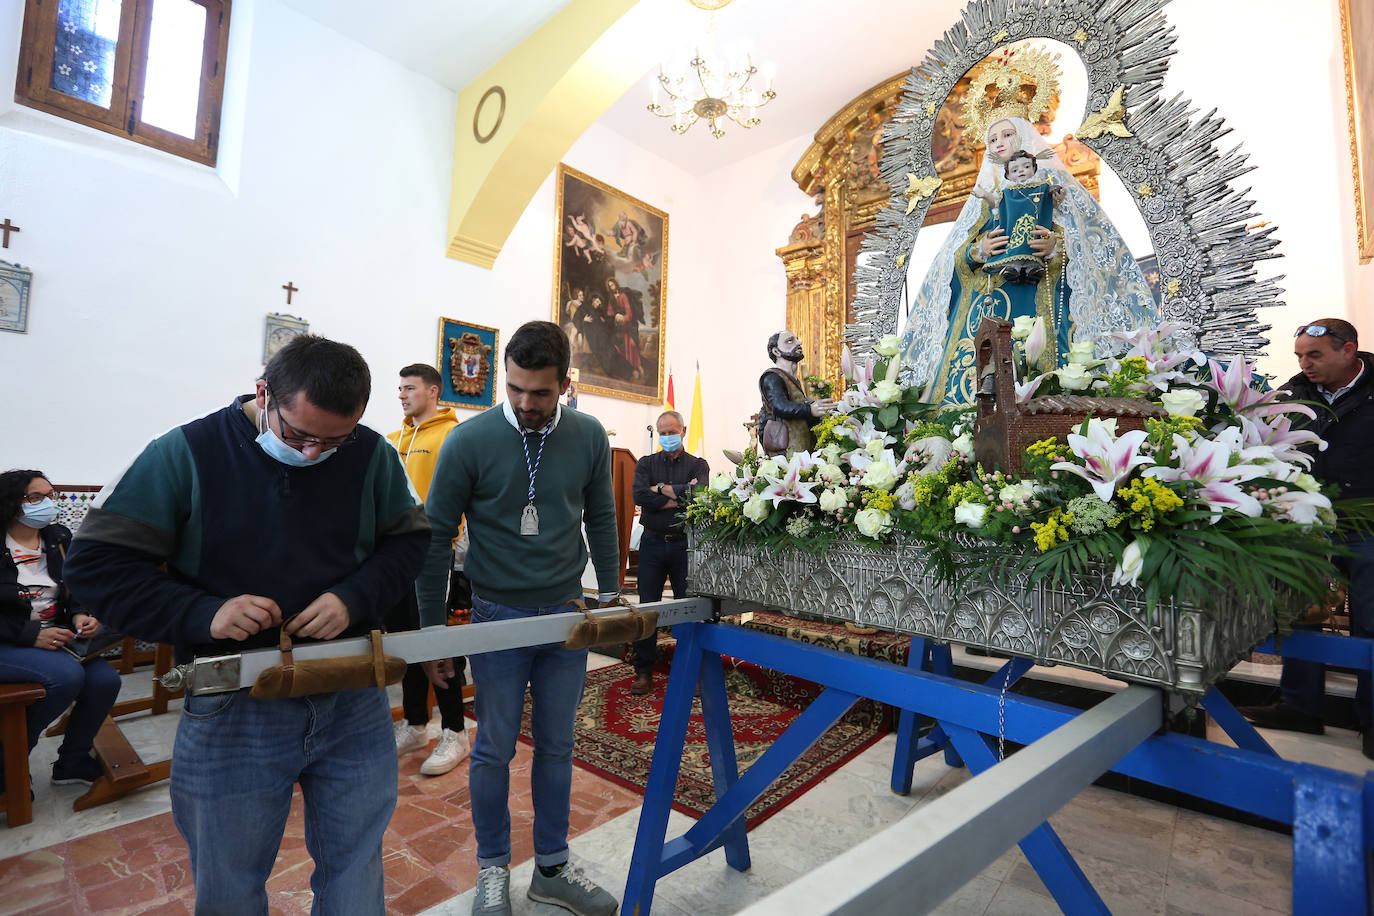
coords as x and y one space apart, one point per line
998 87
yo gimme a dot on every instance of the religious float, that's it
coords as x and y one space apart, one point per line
1126 496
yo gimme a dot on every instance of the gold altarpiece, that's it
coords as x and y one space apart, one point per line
839 171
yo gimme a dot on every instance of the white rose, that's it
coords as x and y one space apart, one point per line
1182 402
1081 353
1307 482
1132 562
723 482
970 514
875 448
830 454
1074 377
888 345
756 509
1021 327
1016 492
873 523
833 499
906 496
886 391
880 475
831 473
770 467
964 445
1108 425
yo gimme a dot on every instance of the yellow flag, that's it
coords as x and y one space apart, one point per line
694 428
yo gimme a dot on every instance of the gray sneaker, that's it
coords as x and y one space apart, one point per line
492 897
572 890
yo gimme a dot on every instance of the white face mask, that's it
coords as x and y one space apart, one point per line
272 444
39 515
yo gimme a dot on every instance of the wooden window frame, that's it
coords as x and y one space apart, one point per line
33 86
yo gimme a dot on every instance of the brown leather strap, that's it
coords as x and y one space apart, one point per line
378 660
288 664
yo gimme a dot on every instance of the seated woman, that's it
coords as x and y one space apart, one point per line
38 618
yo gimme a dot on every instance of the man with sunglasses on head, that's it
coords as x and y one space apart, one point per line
278 512
1336 373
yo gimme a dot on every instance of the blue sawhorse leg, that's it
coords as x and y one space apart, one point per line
1329 856
1044 850
911 749
688 661
1234 724
723 824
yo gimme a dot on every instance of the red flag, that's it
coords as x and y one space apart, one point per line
668 400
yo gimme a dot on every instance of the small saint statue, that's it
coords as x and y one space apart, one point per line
787 414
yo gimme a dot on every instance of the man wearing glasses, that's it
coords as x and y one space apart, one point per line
1334 372
276 512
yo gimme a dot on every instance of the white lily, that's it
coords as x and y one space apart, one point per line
1036 342
789 485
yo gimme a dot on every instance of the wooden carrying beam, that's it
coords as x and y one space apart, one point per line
14 734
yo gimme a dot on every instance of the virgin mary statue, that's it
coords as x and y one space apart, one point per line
1090 285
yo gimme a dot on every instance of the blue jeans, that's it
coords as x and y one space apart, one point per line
555 677
92 686
1302 684
233 767
659 561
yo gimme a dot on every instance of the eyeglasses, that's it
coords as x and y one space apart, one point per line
299 440
34 499
1319 330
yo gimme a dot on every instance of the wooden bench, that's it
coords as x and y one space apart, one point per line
15 700
123 770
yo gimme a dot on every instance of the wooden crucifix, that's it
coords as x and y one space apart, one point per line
7 227
290 288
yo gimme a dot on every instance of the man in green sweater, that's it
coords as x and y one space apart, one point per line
527 476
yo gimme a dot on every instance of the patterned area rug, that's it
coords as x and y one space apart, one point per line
616 732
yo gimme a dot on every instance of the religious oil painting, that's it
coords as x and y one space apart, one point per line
14 297
467 359
1357 34
611 282
279 330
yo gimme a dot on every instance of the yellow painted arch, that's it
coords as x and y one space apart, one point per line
552 87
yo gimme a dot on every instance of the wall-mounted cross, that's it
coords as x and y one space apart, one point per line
7 227
290 288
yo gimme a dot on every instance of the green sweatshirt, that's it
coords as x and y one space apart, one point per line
482 474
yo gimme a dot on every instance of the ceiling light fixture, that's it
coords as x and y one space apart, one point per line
710 82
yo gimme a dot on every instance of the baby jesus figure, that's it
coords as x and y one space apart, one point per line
1024 203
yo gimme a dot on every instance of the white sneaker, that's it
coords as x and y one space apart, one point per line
453 747
409 738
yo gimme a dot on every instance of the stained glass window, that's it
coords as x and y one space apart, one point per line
84 49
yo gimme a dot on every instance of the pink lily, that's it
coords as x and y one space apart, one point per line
1109 459
847 363
1036 342
1026 390
1282 438
1207 463
790 485
1234 384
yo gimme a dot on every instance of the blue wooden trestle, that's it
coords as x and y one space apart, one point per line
1331 813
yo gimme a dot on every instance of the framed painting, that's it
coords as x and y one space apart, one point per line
467 359
15 281
278 331
1357 36
610 287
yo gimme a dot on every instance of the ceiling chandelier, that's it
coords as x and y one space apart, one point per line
710 82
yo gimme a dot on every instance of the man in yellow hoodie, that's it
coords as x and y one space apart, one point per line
424 429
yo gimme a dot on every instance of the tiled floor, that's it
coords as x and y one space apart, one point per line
1143 857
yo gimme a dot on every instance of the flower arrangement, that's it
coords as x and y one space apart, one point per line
1213 496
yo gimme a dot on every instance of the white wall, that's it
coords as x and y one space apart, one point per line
152 275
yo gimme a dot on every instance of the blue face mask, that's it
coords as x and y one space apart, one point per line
275 448
40 515
670 442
